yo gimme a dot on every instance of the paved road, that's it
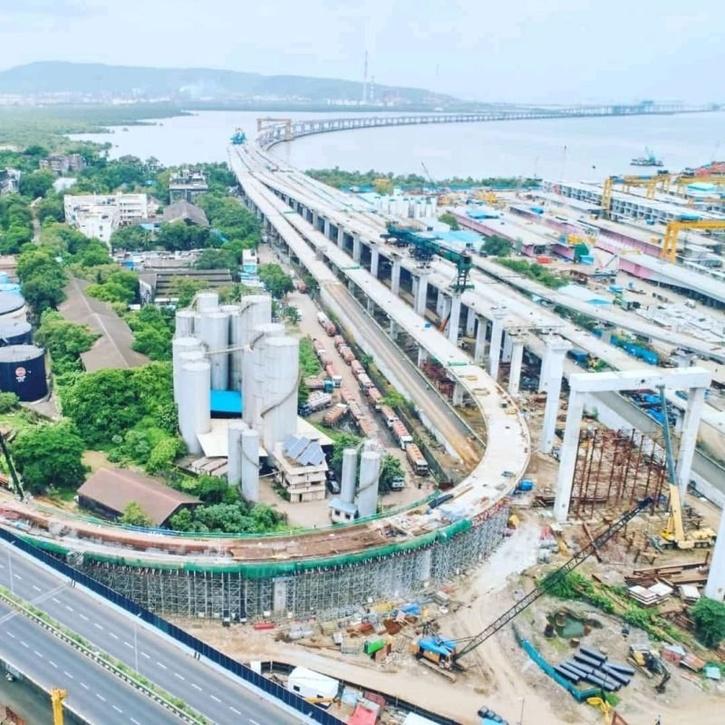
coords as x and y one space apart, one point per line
214 694
94 693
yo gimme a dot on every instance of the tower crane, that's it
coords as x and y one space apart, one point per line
446 653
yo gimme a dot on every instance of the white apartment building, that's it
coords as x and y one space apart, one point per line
99 215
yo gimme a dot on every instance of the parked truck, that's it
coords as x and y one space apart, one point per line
416 459
316 401
335 414
402 436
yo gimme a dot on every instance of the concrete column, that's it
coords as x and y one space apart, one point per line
340 237
421 294
395 277
393 329
543 371
688 439
315 220
422 356
556 349
567 460
715 587
457 394
441 310
479 351
279 595
371 306
374 261
356 248
494 352
454 320
326 228
470 322
508 348
517 354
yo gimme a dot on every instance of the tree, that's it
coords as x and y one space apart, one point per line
497 246
709 618
180 236
390 469
216 259
51 209
134 515
65 341
292 315
383 185
276 281
152 332
450 220
132 238
8 402
50 455
118 286
343 440
184 289
36 184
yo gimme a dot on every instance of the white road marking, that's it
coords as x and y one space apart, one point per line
35 651
17 576
254 722
134 721
56 600
83 617
147 656
95 624
128 644
37 588
10 634
195 686
100 697
114 635
68 674
70 609
181 677
83 684
53 663
234 710
25 644
214 697
162 665
117 709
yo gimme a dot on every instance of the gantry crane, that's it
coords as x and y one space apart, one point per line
445 652
425 247
669 244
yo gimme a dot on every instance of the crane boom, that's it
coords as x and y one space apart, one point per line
552 579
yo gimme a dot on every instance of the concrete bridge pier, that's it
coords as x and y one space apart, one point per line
341 238
395 277
470 322
517 354
421 294
326 229
422 356
458 395
508 347
556 349
356 248
495 348
374 261
479 350
454 319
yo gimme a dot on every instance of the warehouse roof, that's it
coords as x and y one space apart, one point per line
114 489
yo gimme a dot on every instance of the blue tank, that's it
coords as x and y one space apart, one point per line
15 333
22 371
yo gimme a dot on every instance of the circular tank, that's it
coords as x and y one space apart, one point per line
214 333
180 345
207 301
194 401
235 354
279 408
12 306
255 310
15 332
253 370
185 321
22 371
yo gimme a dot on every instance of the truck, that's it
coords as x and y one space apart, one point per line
374 396
402 436
335 414
388 414
316 401
416 459
339 340
356 367
315 383
346 354
364 381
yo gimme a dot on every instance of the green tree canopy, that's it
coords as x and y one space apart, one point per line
216 259
132 238
50 455
390 469
65 341
709 618
51 209
276 281
450 220
497 246
134 515
36 184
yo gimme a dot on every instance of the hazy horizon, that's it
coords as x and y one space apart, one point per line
528 50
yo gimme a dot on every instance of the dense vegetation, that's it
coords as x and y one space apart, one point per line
341 179
537 272
276 281
16 225
450 220
65 341
709 618
496 246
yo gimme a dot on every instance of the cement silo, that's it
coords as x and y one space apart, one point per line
255 310
206 301
349 475
250 465
214 333
180 345
278 412
234 460
234 313
194 402
253 369
185 322
367 493
22 371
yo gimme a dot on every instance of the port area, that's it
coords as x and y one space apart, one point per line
499 674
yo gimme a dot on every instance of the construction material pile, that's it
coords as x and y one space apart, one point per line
590 665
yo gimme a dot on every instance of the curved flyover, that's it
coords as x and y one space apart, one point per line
326 569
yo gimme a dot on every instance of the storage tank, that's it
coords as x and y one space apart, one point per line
234 313
22 371
253 372
255 310
16 332
234 444
207 301
250 465
185 321
279 410
181 345
349 475
214 333
367 495
12 307
194 402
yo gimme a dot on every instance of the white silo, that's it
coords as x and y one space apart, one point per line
253 369
234 461
185 321
255 310
367 493
235 354
194 401
278 412
180 345
349 475
250 465
206 301
214 333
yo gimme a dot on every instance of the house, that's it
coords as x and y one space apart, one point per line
63 163
187 184
185 211
99 215
110 490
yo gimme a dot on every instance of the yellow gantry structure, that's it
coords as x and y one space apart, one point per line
669 244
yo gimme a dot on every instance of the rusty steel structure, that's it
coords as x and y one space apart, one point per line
614 468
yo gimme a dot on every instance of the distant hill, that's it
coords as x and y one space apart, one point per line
103 82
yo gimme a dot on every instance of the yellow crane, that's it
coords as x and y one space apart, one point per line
607 195
669 244
56 698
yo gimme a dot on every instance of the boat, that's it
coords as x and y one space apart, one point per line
649 159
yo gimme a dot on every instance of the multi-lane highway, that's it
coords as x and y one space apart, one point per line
211 692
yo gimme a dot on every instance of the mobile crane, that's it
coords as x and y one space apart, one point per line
445 652
424 246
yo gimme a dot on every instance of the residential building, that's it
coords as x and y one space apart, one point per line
99 215
187 184
64 163
9 181
301 469
250 265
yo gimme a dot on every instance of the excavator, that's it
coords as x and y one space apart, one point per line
674 532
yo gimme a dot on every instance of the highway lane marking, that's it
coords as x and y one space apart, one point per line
53 663
17 576
117 709
128 644
25 644
83 685
100 697
95 624
70 609
68 674
214 697
195 686
114 635
83 617
10 634
37 653
134 721
254 722
162 665
147 656
56 600
181 677
234 710
37 588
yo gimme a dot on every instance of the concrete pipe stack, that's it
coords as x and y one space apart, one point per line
279 409
194 401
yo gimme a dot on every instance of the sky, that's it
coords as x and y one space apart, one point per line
511 50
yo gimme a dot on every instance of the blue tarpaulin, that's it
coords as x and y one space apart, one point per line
226 402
